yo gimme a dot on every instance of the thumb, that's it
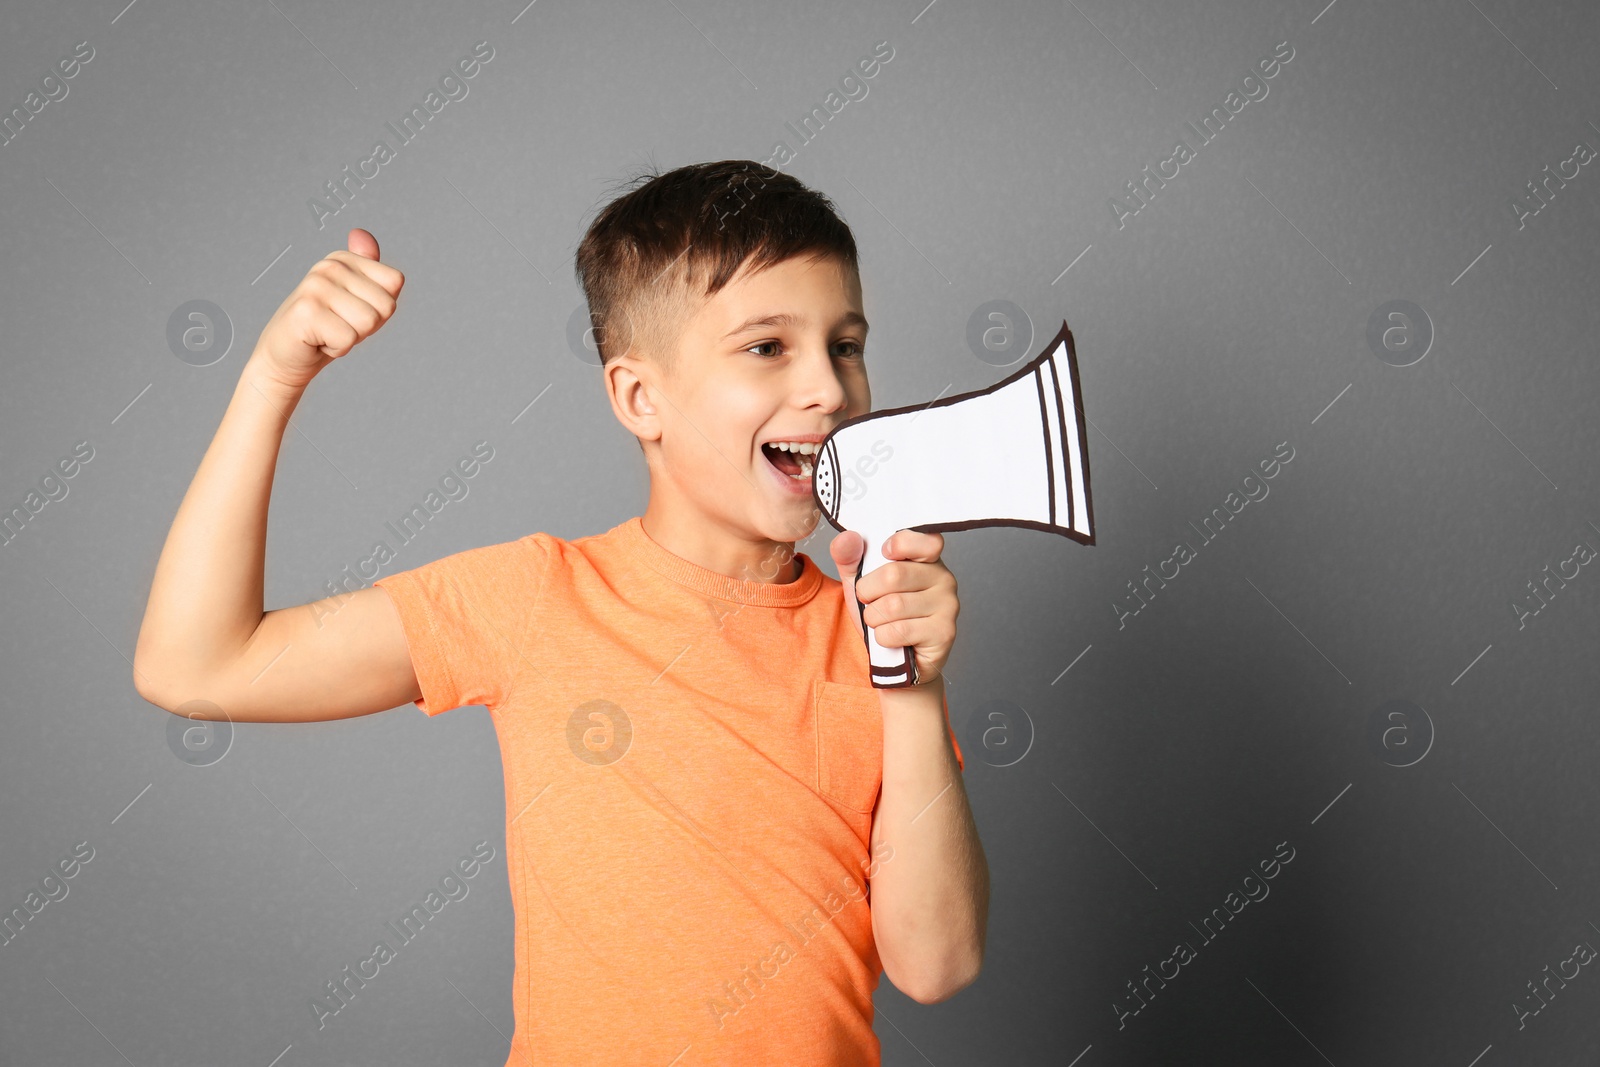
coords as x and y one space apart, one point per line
847 549
363 243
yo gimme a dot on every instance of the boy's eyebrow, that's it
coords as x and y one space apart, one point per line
784 318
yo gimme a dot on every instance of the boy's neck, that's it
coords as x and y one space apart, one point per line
693 536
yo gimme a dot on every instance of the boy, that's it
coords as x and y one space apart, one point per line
703 790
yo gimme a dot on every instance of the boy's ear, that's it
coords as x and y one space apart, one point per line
629 386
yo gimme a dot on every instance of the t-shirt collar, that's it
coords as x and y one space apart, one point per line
709 582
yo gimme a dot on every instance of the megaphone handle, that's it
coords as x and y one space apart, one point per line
892 668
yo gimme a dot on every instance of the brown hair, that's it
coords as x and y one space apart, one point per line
675 236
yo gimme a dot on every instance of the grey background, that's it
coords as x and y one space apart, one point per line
1228 716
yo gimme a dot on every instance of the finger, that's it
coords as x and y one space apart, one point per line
900 575
914 545
387 277
362 316
341 273
362 243
846 549
333 336
916 604
905 633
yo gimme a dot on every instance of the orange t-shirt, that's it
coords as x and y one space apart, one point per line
691 765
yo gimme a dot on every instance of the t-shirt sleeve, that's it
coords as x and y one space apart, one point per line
465 618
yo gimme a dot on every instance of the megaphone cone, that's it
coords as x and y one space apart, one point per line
1013 454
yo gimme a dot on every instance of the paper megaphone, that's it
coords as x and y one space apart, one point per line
1013 454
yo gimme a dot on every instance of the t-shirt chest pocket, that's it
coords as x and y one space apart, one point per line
849 724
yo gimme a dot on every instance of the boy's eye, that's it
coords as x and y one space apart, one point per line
851 350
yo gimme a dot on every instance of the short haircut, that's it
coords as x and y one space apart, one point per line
652 254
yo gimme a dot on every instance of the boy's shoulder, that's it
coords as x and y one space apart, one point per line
532 553
484 567
496 552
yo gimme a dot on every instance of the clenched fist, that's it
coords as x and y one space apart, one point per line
343 299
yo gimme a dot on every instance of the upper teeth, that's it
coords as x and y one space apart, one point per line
805 448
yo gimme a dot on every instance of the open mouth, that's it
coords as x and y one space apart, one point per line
795 465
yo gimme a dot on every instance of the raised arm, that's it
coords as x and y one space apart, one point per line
204 634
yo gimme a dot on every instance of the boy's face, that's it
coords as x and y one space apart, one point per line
775 356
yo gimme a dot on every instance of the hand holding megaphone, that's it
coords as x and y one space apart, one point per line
924 603
1014 454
